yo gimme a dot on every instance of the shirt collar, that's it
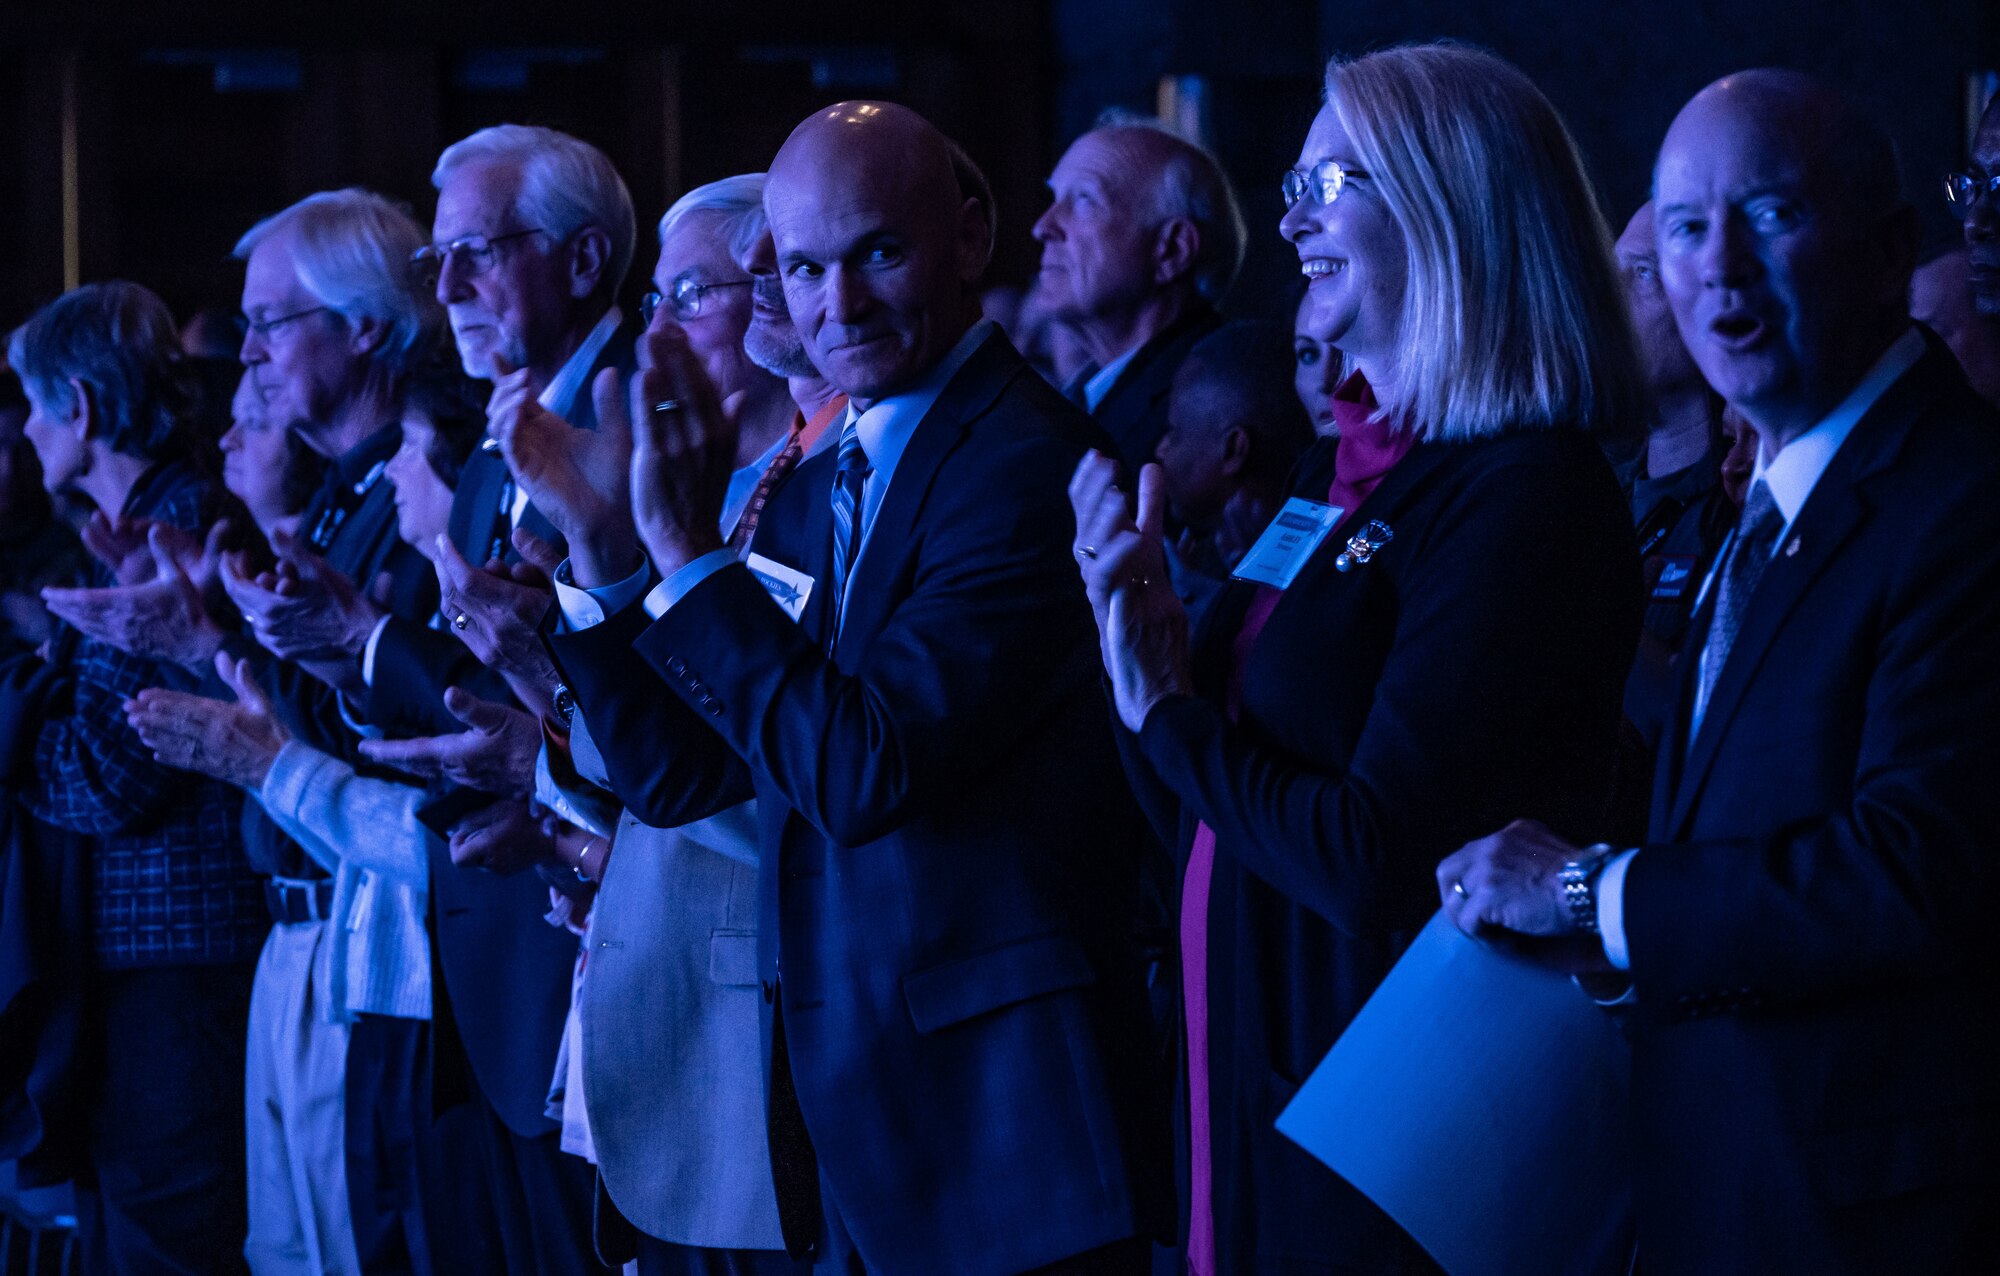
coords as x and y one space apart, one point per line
885 428
1104 378
1793 472
560 395
354 465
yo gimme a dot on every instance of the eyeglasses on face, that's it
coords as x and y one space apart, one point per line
1322 183
472 254
686 299
1963 190
263 329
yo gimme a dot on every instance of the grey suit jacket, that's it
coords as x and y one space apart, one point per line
672 1076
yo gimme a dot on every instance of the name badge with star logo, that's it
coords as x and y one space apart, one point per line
788 587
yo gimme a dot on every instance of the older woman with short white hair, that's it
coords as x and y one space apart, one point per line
1441 651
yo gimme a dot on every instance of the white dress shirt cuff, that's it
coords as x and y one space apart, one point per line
350 713
368 651
1611 910
676 587
584 608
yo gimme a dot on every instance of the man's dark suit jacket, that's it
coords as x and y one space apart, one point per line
1134 411
1466 676
1815 1070
949 850
504 985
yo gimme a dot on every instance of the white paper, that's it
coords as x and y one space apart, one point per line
1481 1101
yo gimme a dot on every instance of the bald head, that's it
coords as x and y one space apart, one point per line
878 247
1785 244
1825 128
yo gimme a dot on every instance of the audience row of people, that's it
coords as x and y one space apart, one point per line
776 781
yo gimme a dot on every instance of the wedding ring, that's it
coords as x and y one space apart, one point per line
667 405
460 621
1084 553
1458 889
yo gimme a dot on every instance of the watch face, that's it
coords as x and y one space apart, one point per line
565 705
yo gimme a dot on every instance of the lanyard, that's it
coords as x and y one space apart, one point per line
328 524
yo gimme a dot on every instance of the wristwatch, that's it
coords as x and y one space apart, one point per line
565 705
1578 879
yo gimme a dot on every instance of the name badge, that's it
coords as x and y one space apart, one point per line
788 588
1288 542
1676 574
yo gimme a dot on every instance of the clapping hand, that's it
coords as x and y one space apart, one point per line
497 610
236 743
684 447
304 609
576 478
503 837
157 612
1142 627
496 754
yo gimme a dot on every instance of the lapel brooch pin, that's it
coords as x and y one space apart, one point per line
1362 545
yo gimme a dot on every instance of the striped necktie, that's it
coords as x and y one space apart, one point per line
850 472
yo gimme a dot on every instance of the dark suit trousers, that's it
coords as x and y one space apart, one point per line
663 1258
413 1183
538 1199
165 1111
837 1256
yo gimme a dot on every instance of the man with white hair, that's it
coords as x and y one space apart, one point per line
335 337
533 236
1142 240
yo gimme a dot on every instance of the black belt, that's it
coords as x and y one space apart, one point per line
297 901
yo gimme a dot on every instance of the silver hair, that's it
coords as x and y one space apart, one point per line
351 250
1193 185
566 185
739 200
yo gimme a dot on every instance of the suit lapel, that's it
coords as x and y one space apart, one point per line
1835 510
968 394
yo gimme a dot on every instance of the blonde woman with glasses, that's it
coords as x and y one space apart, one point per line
1431 641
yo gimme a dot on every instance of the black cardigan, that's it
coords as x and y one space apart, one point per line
1468 675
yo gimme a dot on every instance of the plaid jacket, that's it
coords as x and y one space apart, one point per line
170 884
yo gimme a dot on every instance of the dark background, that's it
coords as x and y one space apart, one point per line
141 139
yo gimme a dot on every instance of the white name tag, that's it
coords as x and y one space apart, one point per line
788 588
1288 542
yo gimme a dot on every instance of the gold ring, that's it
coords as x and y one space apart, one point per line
667 405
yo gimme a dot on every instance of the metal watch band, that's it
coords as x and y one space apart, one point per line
1578 879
